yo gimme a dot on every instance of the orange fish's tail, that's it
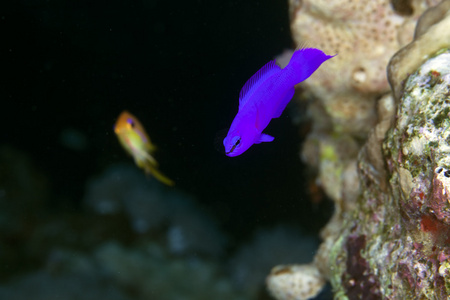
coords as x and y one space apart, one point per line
150 166
150 169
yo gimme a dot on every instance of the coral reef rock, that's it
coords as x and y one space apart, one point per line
112 271
395 244
431 35
364 35
389 237
151 207
153 274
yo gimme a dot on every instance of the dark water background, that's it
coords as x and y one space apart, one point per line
178 66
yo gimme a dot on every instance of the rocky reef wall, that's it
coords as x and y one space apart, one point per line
388 176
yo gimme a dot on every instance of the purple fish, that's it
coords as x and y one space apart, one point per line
265 96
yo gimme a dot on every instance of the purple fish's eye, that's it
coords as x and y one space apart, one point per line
131 122
236 141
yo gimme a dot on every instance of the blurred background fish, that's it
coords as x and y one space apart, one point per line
135 141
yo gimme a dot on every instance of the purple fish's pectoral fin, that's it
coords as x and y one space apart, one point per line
267 71
264 138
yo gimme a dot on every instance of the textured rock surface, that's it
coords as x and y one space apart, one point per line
431 35
364 35
389 236
395 243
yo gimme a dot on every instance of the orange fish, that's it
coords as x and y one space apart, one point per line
135 141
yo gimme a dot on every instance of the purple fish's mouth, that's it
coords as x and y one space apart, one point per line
231 150
232 153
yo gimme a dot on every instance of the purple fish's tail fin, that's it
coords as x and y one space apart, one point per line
304 62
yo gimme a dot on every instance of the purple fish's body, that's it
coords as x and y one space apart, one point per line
265 96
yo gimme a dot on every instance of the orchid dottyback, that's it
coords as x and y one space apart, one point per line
265 96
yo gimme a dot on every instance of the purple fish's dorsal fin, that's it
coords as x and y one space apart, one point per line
256 80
